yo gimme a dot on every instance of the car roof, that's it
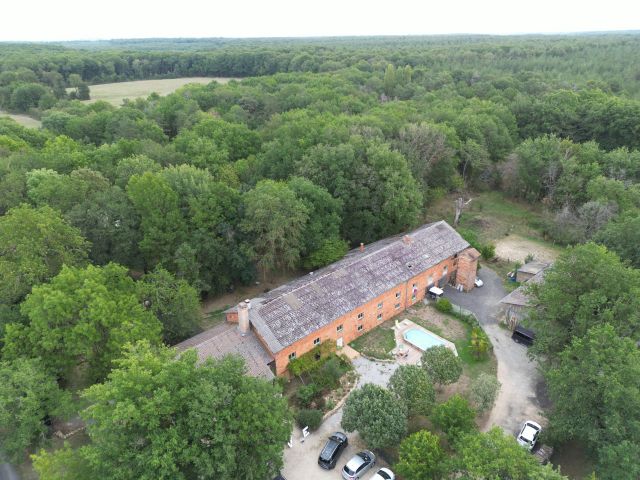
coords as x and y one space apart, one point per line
529 430
355 462
384 473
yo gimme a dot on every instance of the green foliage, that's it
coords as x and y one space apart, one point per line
595 389
587 286
312 359
421 457
479 343
275 219
331 250
34 244
29 396
496 455
81 319
165 406
454 417
444 305
376 414
306 394
412 385
622 236
173 301
309 418
484 390
442 365
161 223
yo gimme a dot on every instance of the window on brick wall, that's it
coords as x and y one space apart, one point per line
292 356
360 327
444 271
360 316
379 316
397 294
316 341
397 306
430 280
339 328
379 305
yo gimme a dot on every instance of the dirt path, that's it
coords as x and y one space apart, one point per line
517 400
515 248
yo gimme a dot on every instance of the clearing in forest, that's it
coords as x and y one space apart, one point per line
24 120
115 93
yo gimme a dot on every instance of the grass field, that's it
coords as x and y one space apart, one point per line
24 120
115 93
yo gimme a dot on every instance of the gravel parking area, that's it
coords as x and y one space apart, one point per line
517 400
301 460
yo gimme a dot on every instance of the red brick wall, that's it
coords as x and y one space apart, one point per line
232 317
468 268
350 321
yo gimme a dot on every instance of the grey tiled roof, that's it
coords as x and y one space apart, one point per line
297 309
520 295
224 340
533 267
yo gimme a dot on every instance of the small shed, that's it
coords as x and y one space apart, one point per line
517 304
529 270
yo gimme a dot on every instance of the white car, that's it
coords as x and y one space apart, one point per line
384 474
478 283
359 464
529 434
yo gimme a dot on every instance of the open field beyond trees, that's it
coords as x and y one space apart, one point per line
115 93
24 120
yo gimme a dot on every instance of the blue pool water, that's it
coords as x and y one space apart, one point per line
421 339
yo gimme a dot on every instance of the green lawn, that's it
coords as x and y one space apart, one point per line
377 343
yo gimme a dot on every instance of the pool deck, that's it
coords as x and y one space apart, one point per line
405 352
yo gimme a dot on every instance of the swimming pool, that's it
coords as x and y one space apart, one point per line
422 339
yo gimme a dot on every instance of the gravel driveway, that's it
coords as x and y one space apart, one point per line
301 460
517 400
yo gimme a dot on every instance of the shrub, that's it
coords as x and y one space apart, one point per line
454 417
442 365
311 360
421 457
328 375
444 305
309 418
484 390
412 385
306 393
488 251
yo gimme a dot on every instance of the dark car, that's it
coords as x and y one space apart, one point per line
524 336
332 450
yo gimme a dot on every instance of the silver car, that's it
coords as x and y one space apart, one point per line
359 464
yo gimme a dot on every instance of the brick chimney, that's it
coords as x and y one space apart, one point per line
362 247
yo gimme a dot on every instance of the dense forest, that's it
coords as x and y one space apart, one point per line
327 143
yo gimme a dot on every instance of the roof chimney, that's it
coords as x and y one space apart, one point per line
406 240
243 317
362 247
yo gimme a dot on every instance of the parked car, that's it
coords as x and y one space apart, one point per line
478 283
359 464
332 450
384 474
279 477
523 335
529 434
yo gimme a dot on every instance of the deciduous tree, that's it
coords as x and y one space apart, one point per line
412 385
376 414
442 365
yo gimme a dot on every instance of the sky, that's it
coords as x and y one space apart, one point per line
55 20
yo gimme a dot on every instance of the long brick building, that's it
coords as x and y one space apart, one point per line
342 301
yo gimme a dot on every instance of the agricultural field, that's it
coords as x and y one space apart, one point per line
115 93
24 120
